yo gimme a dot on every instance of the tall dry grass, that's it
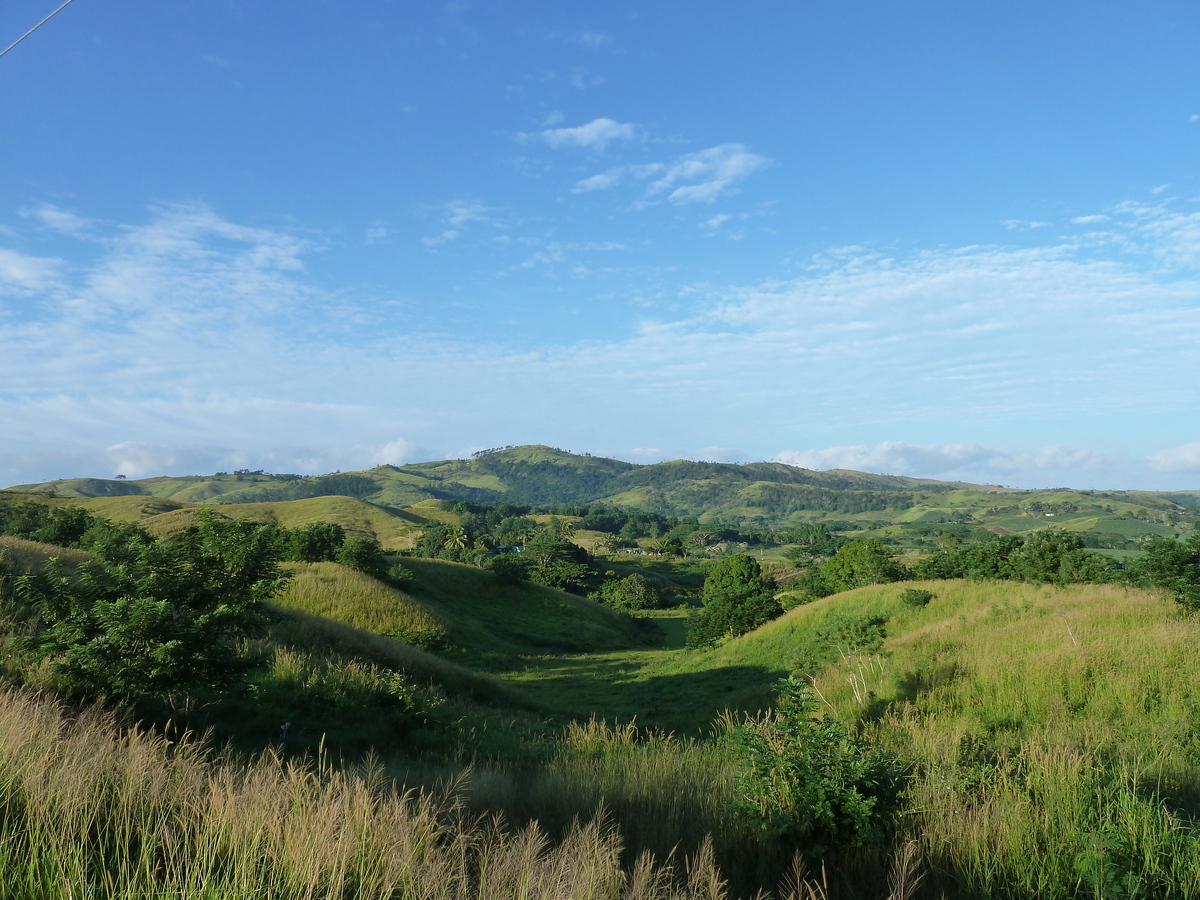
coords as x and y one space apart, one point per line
1052 733
89 809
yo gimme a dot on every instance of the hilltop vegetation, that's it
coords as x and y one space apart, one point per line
900 512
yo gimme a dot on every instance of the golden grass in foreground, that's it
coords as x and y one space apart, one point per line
89 810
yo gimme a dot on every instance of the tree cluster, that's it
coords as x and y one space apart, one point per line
1049 556
738 598
155 617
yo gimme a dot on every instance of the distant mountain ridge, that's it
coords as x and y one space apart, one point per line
536 475
530 474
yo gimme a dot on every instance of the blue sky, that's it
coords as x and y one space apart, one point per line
939 239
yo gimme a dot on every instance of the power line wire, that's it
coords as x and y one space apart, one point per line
35 28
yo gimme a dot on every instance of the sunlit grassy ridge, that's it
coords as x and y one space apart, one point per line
392 528
344 595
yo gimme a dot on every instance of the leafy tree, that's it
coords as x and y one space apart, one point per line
812 542
860 563
631 593
62 526
807 780
669 546
509 568
1174 565
154 617
316 542
456 538
362 553
737 598
1050 556
734 578
555 562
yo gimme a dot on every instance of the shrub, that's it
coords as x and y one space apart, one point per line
916 597
316 542
156 617
1174 565
860 563
628 594
400 575
361 553
807 780
509 568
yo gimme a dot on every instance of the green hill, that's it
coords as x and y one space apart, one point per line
900 510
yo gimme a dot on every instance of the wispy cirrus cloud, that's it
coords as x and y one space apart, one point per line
595 135
455 217
700 177
21 274
594 39
704 176
64 221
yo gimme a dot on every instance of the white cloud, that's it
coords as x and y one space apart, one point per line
721 455
1184 459
140 459
1022 225
21 274
456 216
398 453
1089 220
581 79
602 180
1194 117
376 232
940 460
190 331
57 219
595 135
700 177
646 455
703 177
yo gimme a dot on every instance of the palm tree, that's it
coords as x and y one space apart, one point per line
456 538
566 529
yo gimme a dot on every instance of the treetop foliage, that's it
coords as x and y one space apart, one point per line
155 617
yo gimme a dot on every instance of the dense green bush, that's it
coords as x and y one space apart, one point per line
631 593
807 780
916 597
860 563
1049 556
362 553
155 617
737 598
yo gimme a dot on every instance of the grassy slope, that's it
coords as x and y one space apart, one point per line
497 627
335 592
684 690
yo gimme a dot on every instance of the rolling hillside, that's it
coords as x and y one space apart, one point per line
391 503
